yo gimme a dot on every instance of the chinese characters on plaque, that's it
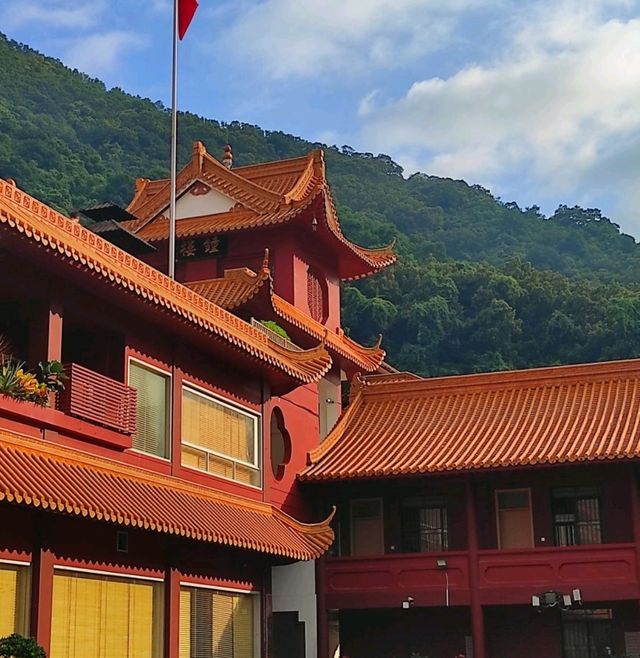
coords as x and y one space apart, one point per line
206 247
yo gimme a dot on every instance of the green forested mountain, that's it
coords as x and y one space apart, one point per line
480 284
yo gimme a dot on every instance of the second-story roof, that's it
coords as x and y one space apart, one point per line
23 217
242 287
400 424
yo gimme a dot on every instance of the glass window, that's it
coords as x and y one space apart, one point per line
104 616
576 516
424 525
219 438
14 599
152 409
217 624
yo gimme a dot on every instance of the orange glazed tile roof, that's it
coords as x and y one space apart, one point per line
235 288
266 194
403 425
24 215
239 286
59 479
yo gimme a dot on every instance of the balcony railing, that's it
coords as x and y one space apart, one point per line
602 572
275 337
98 399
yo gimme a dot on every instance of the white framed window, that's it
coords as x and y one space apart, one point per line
15 590
100 615
153 408
220 438
219 624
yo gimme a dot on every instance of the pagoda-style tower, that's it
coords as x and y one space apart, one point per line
264 241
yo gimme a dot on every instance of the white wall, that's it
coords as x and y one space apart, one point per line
211 203
293 589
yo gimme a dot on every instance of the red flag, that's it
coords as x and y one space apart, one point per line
186 10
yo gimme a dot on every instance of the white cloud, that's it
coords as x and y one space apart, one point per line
294 38
558 105
52 13
100 54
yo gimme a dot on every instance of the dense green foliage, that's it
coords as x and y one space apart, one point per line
481 284
18 646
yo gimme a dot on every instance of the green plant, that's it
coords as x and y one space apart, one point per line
18 646
9 382
276 328
52 375
18 383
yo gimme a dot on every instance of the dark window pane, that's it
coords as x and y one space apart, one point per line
576 516
424 525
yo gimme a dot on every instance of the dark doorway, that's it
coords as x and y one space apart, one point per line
288 635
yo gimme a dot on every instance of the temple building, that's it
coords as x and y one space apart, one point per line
197 491
489 516
152 508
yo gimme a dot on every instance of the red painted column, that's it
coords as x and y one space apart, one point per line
172 612
41 587
322 622
45 333
477 615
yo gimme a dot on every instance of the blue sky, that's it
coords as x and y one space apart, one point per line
539 100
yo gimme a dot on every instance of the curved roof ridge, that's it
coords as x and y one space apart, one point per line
368 358
376 257
552 375
241 183
314 456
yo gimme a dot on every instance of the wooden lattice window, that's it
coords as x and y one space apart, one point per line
315 296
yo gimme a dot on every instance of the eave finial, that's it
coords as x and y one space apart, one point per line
265 260
227 158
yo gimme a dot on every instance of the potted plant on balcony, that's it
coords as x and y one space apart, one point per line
18 383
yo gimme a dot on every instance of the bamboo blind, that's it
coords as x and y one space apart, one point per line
105 617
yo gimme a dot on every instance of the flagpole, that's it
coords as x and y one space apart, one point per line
174 144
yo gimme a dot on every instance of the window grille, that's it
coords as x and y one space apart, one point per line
424 525
576 516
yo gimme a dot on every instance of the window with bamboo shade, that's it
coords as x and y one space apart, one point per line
152 409
216 624
14 599
105 617
219 438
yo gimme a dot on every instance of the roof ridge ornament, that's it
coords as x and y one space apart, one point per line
227 158
199 151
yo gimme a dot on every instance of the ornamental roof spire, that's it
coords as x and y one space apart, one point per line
227 158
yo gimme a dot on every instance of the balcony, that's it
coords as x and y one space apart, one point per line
387 581
602 572
98 399
92 408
